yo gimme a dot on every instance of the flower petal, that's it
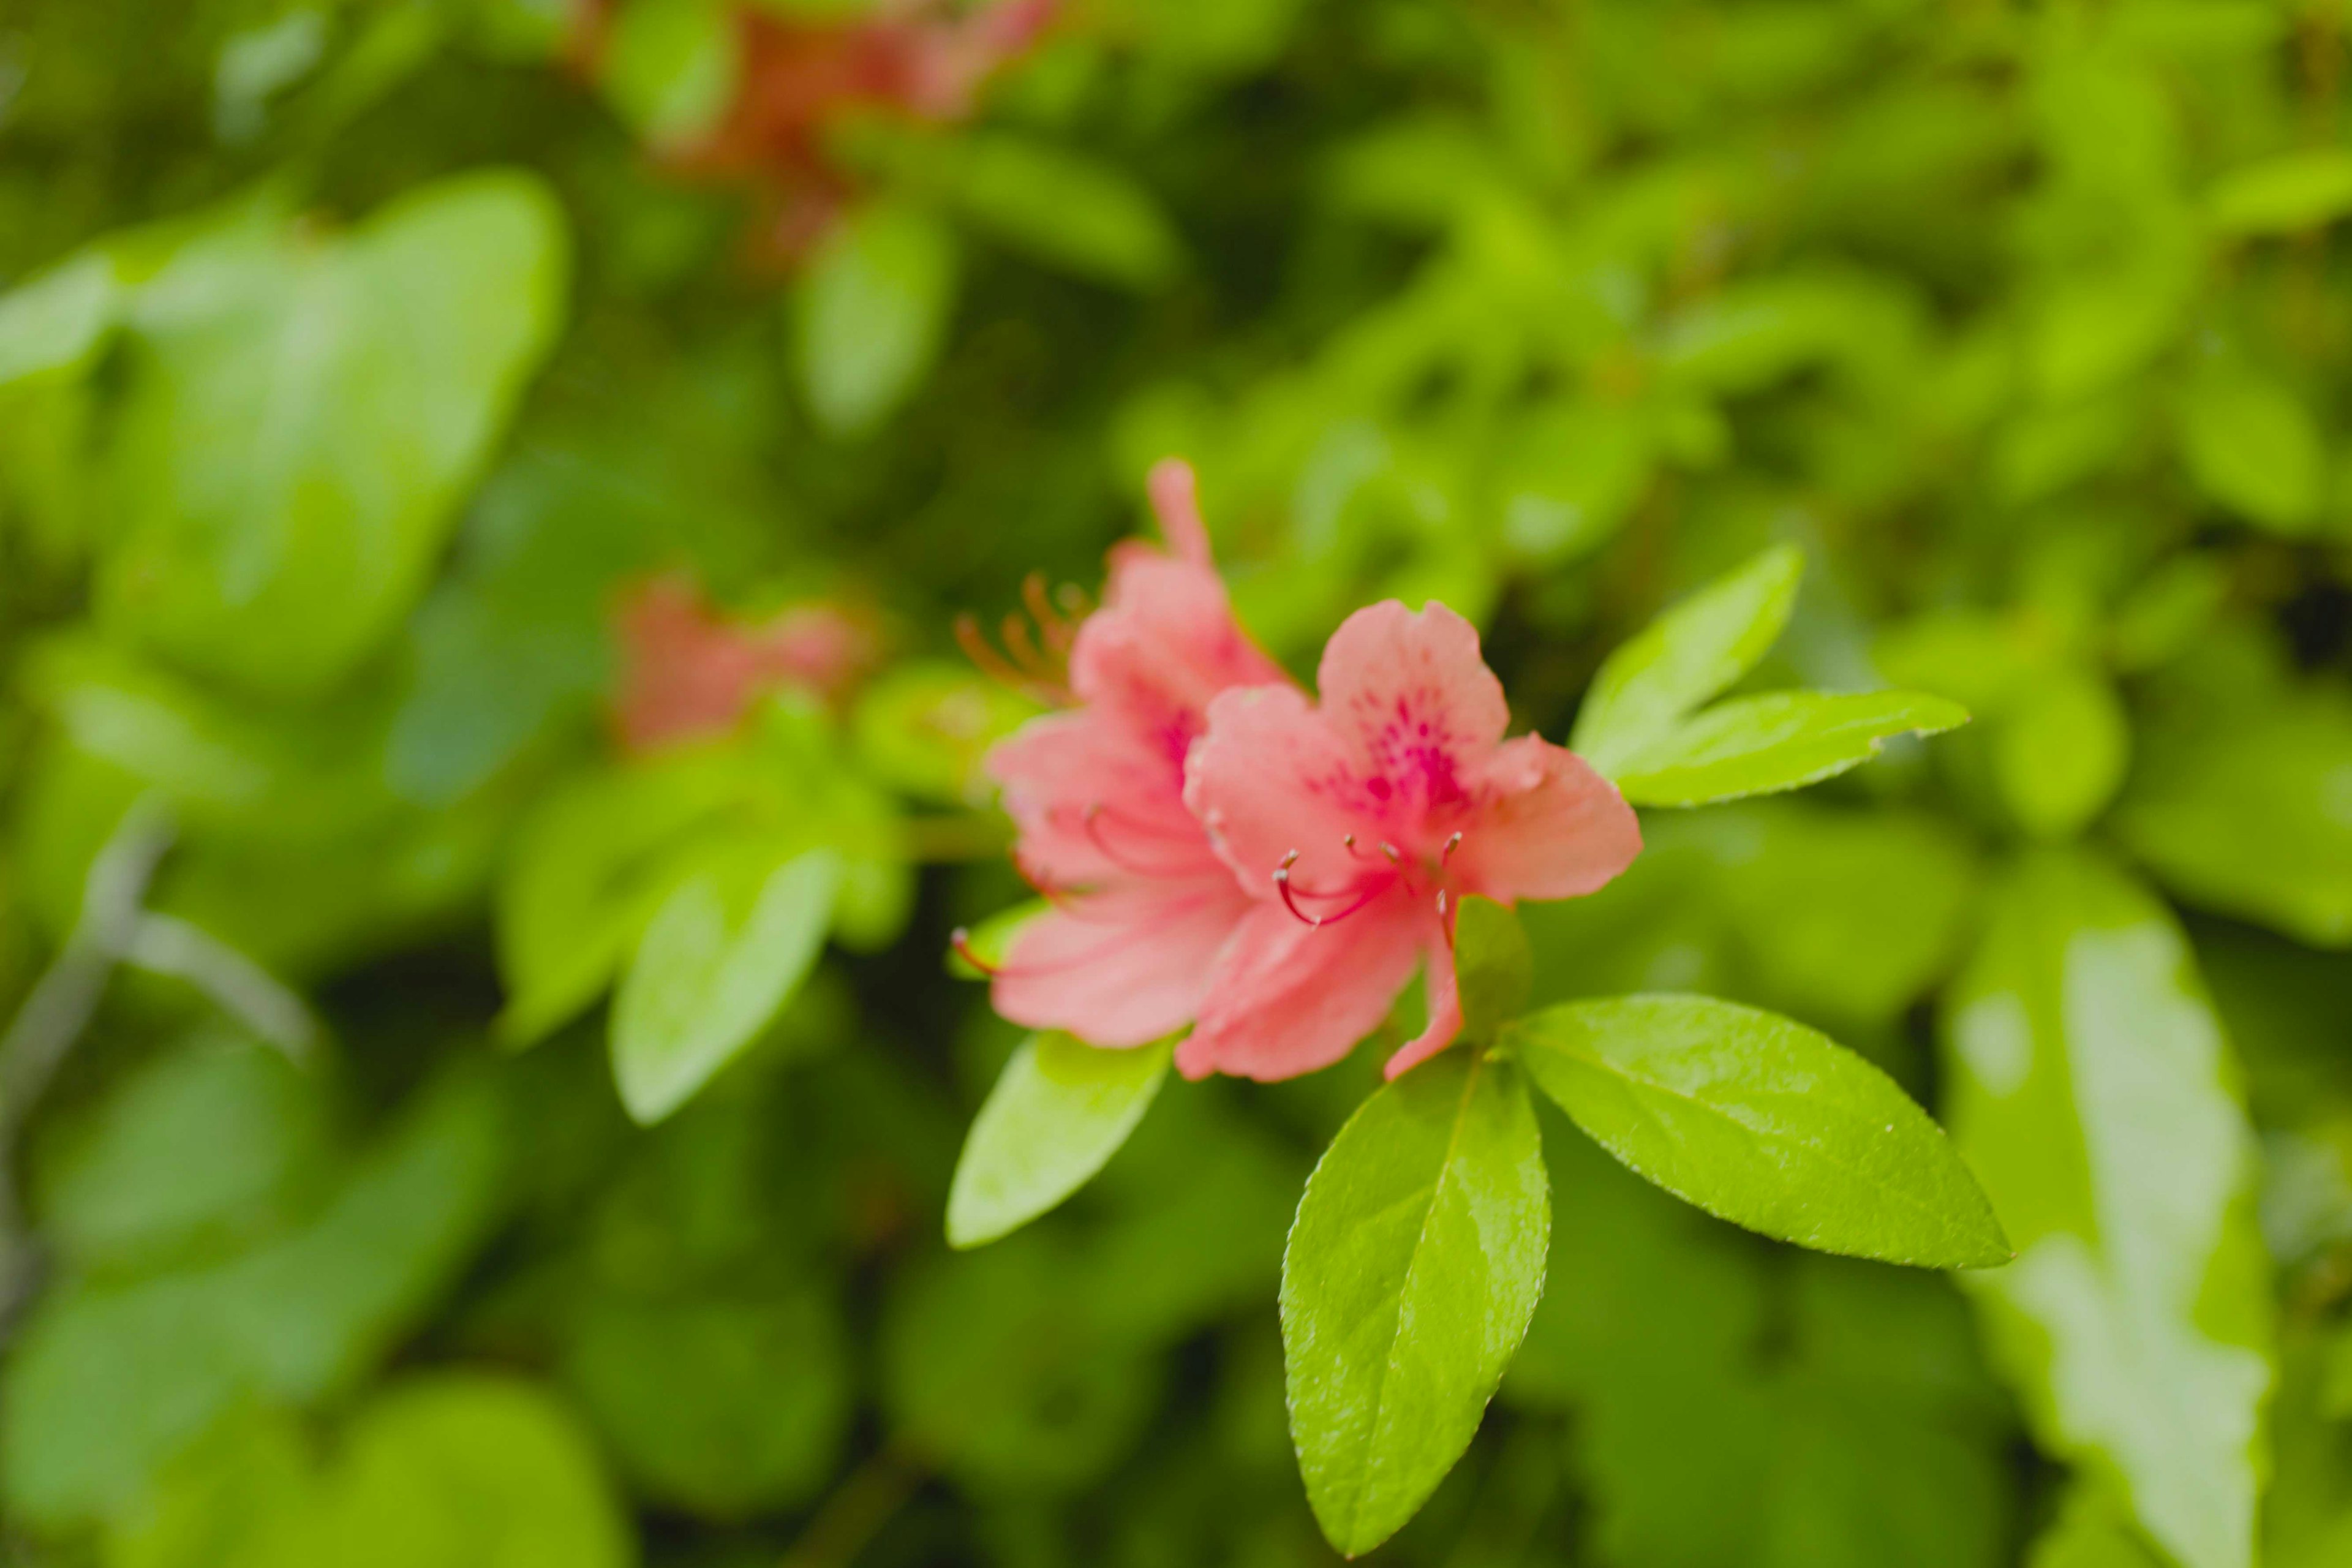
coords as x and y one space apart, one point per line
1445 989
1286 998
1415 701
1163 644
1548 827
1121 969
1270 777
1095 803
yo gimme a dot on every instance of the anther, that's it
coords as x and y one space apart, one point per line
960 939
1451 845
1389 850
1440 903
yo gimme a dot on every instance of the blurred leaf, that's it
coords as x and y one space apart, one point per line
728 1408
2092 1090
2283 194
1059 1110
2059 750
994 1369
721 954
1685 656
304 416
872 313
1067 209
671 66
212 1141
1778 741
2240 804
2089 1533
1415 1262
54 325
2251 445
1761 1122
923 729
109 1380
469 1467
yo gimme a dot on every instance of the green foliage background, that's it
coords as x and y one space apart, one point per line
357 356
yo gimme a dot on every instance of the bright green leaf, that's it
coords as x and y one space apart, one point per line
304 417
1685 656
719 958
1778 741
2090 1087
872 312
1762 1121
1415 1264
1059 1110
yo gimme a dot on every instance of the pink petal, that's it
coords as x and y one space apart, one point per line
1176 501
1270 777
1286 998
1095 803
1415 702
1163 644
1444 1016
1547 827
1122 969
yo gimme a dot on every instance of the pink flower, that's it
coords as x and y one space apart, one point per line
688 672
1144 904
1358 825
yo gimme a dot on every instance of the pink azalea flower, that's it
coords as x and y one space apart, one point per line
1142 903
1356 826
687 671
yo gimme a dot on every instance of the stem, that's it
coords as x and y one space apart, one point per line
857 1510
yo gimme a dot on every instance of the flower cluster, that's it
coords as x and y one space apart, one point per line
1222 850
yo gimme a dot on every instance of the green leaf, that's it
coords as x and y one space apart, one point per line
1764 1123
305 414
2253 446
2284 194
2238 807
1067 209
1493 966
212 1141
1415 1264
470 1467
2090 1531
718 960
1778 741
872 313
1684 657
2091 1086
1059 1110
2061 747
110 1378
722 1405
671 66
54 325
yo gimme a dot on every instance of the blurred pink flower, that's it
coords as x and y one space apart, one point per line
1355 826
1142 903
686 671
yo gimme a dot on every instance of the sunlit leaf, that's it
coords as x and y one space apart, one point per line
2092 1090
720 957
1412 1268
1778 741
1764 1123
1059 1110
1685 656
